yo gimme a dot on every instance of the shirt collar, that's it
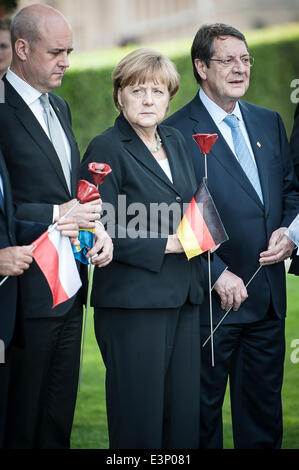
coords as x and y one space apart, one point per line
26 91
217 113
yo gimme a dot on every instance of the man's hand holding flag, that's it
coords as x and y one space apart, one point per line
87 208
64 228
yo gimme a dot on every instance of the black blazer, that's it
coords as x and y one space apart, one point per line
294 143
37 182
12 232
141 275
248 223
8 291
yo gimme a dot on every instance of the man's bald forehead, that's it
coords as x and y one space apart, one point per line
28 22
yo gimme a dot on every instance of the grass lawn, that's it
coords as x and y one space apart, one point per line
90 424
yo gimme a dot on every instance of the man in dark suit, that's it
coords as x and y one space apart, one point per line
294 143
251 179
13 261
42 158
15 258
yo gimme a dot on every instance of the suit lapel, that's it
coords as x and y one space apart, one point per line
260 152
171 147
203 123
24 114
138 150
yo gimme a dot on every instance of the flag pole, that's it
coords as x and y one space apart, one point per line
227 312
206 169
210 278
90 272
211 310
3 280
53 227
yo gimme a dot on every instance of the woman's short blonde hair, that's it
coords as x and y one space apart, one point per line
142 65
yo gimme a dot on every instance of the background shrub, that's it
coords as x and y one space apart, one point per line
87 85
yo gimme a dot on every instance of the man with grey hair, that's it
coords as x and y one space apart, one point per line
252 182
43 160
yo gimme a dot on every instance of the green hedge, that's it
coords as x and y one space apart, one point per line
87 85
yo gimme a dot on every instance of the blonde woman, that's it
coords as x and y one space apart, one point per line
147 300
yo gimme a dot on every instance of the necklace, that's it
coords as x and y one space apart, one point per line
158 143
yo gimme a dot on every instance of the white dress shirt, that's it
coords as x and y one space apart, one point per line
218 114
164 164
31 97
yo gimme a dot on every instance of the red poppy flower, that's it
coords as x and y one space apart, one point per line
205 141
98 172
87 192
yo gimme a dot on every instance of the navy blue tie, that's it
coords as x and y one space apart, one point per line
2 200
243 154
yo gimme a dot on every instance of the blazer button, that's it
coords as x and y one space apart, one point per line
178 199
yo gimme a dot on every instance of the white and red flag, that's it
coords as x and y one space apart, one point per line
54 255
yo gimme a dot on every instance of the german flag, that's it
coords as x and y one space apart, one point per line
201 228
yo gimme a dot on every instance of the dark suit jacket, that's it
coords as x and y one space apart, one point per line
12 232
37 182
249 225
294 143
141 275
8 291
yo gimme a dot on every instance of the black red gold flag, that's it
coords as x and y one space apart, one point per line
201 228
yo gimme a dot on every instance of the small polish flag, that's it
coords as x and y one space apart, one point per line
54 255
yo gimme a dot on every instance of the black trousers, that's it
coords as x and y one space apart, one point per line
43 383
4 386
252 357
152 360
